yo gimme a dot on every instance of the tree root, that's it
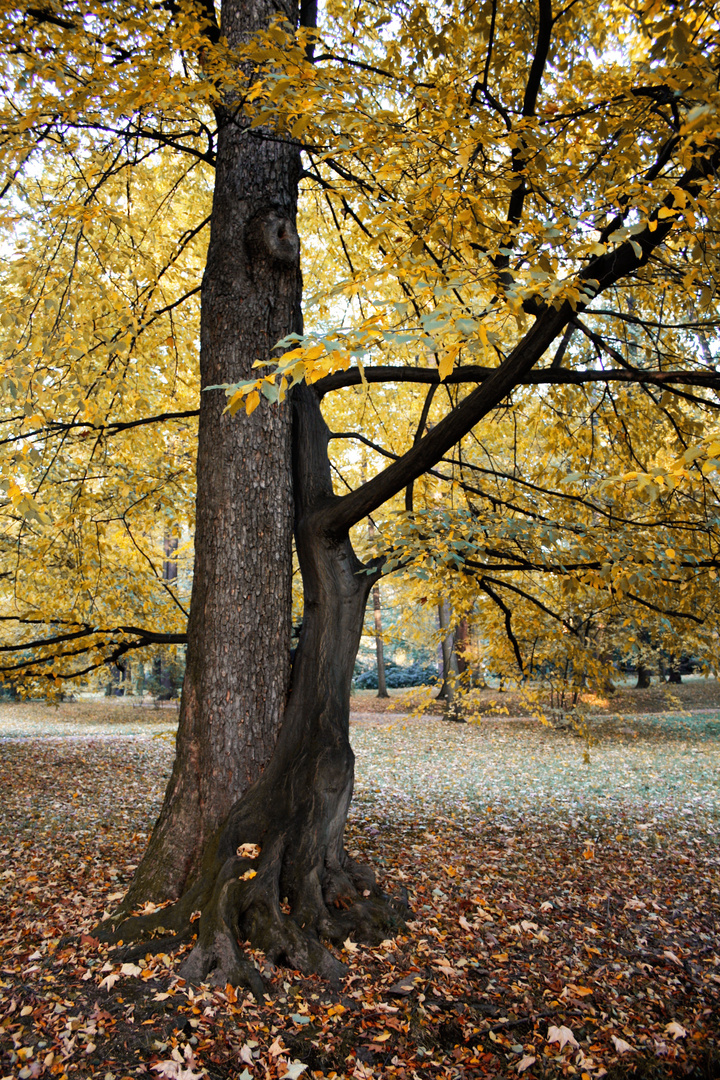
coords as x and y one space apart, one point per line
240 900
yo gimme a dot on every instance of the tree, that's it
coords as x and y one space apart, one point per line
514 217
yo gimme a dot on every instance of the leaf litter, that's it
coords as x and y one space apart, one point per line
564 915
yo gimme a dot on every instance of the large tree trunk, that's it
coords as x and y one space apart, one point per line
277 873
238 658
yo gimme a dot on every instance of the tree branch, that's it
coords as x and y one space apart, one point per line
474 373
599 274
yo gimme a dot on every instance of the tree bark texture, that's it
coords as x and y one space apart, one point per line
276 873
238 634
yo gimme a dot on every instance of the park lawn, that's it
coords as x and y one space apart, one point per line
555 901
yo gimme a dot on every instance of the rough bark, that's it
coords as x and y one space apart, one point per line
277 873
238 634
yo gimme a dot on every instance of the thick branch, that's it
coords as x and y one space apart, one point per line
474 373
600 274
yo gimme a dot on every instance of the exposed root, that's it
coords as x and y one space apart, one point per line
243 903
176 917
153 947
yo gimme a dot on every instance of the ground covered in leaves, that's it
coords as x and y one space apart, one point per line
565 911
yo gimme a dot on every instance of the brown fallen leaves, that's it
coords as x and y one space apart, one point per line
522 956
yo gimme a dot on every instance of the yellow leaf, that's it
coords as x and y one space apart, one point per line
252 402
447 361
248 851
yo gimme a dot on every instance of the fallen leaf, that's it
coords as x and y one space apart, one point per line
562 1035
179 1068
249 851
526 1062
676 1030
294 1070
620 1045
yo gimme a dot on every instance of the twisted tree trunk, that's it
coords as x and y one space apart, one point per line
277 873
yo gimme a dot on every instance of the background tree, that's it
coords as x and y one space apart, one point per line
524 198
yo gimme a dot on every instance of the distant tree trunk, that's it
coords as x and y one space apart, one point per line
377 609
448 692
462 642
382 686
643 678
674 673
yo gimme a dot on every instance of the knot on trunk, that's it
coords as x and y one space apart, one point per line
270 234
